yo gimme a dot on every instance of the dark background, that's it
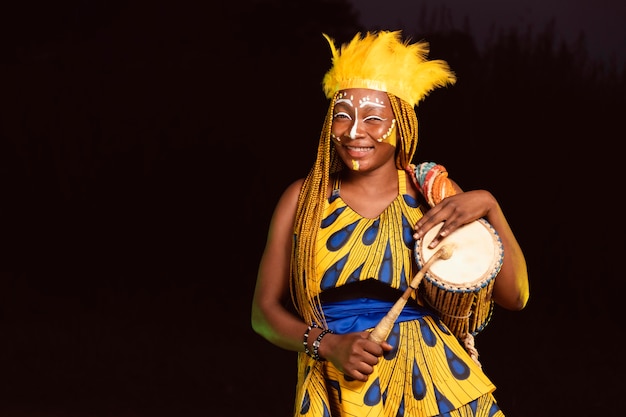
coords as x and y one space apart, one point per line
145 143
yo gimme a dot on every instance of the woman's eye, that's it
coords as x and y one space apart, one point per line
341 116
374 119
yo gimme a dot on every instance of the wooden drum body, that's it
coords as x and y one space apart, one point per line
459 288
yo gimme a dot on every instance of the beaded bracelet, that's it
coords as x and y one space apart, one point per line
305 342
316 344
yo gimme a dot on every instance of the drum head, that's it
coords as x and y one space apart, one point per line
476 256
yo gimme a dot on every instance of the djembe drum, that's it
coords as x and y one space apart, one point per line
460 288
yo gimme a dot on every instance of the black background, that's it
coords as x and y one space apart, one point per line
144 145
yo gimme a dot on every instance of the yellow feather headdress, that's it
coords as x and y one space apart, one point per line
383 61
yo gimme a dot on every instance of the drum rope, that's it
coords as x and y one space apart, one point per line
446 314
468 342
467 337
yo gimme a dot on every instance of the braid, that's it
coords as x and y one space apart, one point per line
407 129
309 214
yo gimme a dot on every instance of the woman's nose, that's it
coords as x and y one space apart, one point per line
353 132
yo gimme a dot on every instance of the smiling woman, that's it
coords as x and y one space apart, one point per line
341 245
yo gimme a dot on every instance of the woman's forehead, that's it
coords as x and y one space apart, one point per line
362 97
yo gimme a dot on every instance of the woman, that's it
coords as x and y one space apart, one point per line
340 247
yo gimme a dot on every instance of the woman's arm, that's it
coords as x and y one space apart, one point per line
270 316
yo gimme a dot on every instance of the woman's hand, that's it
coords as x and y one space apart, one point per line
353 353
455 211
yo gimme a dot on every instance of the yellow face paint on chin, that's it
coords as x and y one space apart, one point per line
355 165
390 136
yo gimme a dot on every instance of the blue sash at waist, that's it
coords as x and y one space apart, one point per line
362 314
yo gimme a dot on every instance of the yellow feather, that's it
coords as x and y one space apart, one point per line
383 61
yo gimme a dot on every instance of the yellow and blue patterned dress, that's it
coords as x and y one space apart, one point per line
428 372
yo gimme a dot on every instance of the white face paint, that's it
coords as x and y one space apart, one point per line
364 103
348 101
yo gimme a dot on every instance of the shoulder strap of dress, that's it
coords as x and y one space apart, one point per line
401 182
336 185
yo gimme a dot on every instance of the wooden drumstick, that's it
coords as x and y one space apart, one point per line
383 328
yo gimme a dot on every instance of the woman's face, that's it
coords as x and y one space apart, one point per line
363 128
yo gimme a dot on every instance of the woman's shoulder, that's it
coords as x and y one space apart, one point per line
285 209
293 190
295 185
